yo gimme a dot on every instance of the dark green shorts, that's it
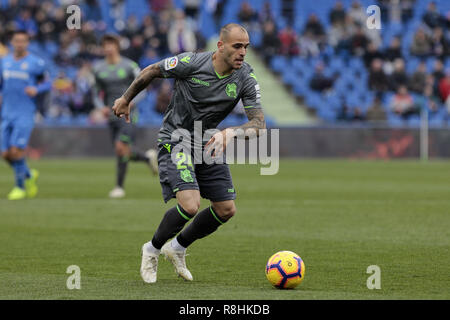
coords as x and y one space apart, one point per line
212 180
122 131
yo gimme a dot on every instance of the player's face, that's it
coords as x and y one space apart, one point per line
19 43
110 48
235 48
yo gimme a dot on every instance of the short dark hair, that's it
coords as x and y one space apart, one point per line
20 31
111 38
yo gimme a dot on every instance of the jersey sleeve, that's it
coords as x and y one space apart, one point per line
177 66
251 95
42 76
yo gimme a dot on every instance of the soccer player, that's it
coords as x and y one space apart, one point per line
208 86
22 77
112 76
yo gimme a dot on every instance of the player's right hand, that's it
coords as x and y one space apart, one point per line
122 109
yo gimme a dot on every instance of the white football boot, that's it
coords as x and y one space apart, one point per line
177 258
152 156
117 193
149 266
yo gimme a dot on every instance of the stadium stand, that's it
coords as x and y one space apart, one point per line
323 54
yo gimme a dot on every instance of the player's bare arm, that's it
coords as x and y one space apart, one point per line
220 140
122 106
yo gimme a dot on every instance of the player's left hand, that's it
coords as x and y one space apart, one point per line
219 142
122 109
31 91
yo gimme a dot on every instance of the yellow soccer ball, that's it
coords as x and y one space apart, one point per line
285 270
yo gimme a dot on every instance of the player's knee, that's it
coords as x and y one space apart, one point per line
226 212
122 149
191 207
15 154
5 155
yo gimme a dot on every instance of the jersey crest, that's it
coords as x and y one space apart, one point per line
231 90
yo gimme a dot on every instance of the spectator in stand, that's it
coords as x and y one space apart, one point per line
288 42
270 41
373 52
398 77
339 35
181 37
394 51
357 115
158 6
337 14
440 46
431 17
430 99
320 82
133 27
438 70
402 103
136 48
417 81
247 15
309 45
376 112
359 42
407 10
378 80
357 13
160 40
420 46
444 89
266 13
316 29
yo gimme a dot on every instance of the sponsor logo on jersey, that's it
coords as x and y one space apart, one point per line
170 63
200 81
13 74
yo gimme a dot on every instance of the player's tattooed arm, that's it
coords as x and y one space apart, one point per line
218 143
255 123
142 81
122 106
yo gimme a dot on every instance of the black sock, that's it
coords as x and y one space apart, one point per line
205 223
137 155
122 165
172 223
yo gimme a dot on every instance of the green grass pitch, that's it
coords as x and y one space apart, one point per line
340 216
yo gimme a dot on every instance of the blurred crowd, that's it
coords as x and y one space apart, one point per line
70 54
346 37
385 68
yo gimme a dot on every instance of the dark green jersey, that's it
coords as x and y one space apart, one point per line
114 79
201 94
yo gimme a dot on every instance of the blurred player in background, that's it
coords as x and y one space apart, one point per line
208 87
22 77
113 75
